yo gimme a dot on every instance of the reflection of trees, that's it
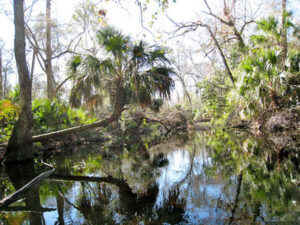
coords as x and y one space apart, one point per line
241 177
268 190
20 175
96 194
60 209
173 207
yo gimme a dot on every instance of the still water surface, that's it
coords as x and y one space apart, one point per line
211 178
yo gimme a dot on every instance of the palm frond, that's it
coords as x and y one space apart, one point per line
162 81
91 65
113 41
269 26
158 55
73 63
107 67
140 56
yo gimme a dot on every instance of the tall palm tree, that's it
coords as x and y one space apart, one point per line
131 72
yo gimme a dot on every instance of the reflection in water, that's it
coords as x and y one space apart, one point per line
19 176
215 178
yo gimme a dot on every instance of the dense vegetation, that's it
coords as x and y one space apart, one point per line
252 80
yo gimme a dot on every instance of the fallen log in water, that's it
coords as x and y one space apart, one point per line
19 194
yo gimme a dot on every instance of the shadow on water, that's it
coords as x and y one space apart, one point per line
215 177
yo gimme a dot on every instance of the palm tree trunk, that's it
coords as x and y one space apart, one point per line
119 100
20 144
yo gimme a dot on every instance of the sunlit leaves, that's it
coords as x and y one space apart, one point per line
267 25
258 39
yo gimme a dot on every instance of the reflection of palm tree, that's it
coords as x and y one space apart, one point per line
131 73
173 207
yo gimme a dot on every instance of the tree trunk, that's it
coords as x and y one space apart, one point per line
239 37
73 130
283 33
5 84
186 93
119 99
20 144
237 196
1 77
49 71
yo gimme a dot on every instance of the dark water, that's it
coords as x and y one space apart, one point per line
211 178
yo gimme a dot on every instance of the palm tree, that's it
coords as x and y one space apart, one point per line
131 73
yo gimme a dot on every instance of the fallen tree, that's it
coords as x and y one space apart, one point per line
73 130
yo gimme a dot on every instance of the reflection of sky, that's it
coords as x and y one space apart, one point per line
71 215
200 191
174 172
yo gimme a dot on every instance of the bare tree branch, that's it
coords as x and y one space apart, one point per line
142 19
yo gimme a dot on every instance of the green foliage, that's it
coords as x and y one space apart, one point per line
8 114
47 117
14 95
50 116
214 95
260 82
264 84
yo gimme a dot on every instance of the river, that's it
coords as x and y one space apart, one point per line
212 177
